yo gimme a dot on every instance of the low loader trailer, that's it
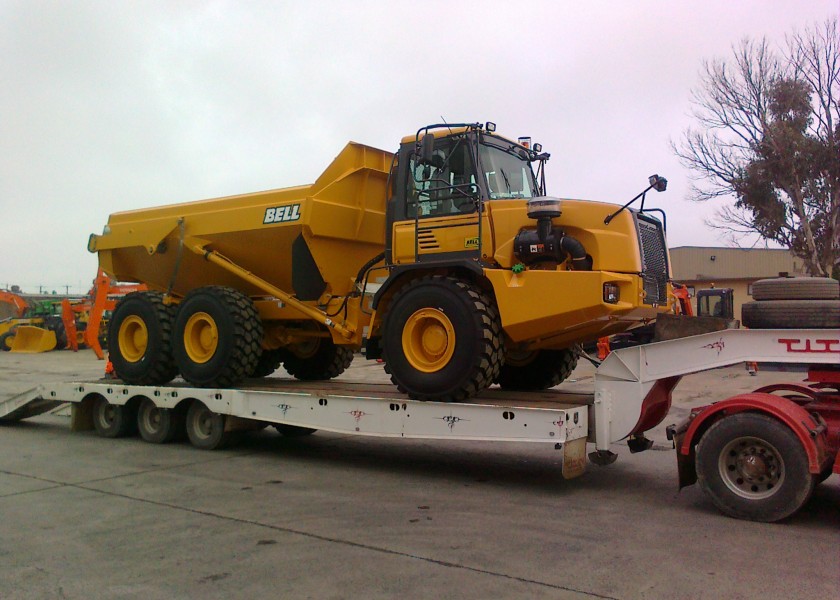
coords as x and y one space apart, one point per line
758 455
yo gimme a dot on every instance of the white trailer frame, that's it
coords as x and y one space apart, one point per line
624 389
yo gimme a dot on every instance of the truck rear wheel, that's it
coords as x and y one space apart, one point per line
442 339
537 370
754 467
218 336
269 361
293 430
140 339
317 359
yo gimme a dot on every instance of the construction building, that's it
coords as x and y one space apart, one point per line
703 267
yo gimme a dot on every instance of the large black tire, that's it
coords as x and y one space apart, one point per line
269 361
140 339
159 425
218 336
6 341
541 370
112 420
442 339
791 314
317 360
796 288
754 467
206 429
56 325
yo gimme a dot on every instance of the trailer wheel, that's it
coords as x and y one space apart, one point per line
112 420
754 467
537 370
218 336
317 359
56 325
158 425
442 339
791 314
269 361
140 339
206 429
293 430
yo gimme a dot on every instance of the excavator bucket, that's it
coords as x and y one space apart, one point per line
33 339
672 327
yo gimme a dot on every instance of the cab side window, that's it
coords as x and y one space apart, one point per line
447 186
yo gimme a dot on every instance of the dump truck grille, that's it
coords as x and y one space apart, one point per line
654 259
426 240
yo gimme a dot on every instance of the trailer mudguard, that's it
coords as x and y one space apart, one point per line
809 431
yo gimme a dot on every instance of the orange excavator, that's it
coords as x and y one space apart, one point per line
683 304
11 305
101 297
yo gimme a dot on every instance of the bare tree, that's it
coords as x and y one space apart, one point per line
768 133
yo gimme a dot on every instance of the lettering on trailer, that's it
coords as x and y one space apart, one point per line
357 414
451 420
282 214
718 345
819 347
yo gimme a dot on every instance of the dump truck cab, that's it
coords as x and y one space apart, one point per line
562 271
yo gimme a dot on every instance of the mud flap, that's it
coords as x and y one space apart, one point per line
686 467
32 339
574 458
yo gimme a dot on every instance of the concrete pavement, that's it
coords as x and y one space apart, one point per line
331 516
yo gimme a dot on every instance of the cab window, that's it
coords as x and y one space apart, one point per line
447 186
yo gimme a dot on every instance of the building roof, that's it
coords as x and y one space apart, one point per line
699 263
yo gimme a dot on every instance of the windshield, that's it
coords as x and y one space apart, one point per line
508 176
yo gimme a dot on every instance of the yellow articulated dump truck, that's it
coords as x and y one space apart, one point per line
446 259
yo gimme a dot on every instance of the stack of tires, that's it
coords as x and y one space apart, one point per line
793 303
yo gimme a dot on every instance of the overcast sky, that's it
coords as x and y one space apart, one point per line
109 106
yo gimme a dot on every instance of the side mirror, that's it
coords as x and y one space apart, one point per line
658 183
427 149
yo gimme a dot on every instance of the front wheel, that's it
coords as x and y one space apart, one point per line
442 339
754 467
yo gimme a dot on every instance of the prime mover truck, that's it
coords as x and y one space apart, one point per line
446 259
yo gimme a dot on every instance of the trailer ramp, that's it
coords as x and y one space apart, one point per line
30 403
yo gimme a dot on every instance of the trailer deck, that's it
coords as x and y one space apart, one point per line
631 395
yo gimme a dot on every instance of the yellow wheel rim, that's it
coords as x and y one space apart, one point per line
201 337
133 338
428 340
